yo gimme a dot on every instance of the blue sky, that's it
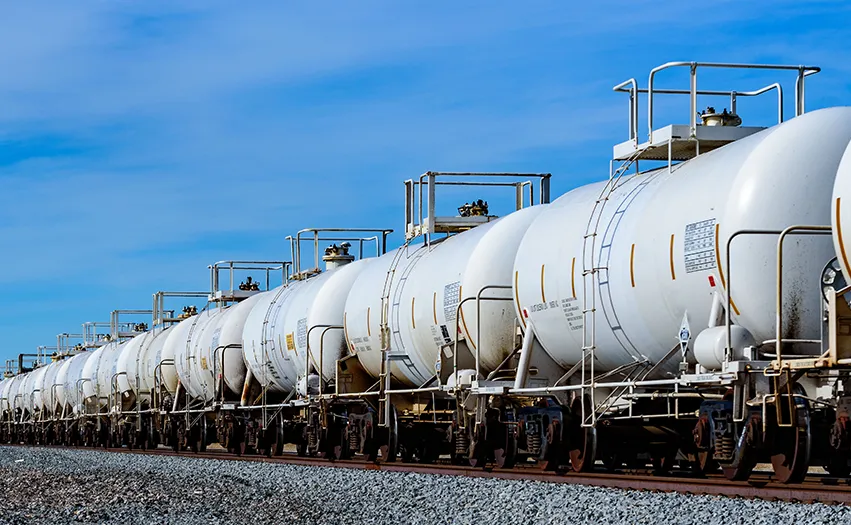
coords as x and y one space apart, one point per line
141 141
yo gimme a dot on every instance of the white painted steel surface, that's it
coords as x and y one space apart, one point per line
191 363
61 378
74 380
213 336
662 258
427 285
151 360
45 398
275 339
265 353
99 371
841 214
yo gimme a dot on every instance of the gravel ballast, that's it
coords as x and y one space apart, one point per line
81 486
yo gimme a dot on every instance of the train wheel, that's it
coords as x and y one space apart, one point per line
390 450
583 440
790 446
745 443
703 462
505 443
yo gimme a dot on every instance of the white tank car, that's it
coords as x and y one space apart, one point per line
428 284
275 339
4 404
74 381
31 390
662 246
315 307
8 393
262 345
151 359
61 379
127 365
841 214
99 370
176 337
227 338
16 393
44 398
213 336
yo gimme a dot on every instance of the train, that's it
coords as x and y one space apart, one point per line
691 314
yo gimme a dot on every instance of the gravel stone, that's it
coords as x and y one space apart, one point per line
86 486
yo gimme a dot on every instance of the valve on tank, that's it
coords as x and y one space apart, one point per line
336 256
710 117
140 327
188 311
249 285
477 208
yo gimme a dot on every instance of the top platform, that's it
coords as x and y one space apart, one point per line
705 131
673 142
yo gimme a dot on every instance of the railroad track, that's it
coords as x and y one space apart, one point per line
815 489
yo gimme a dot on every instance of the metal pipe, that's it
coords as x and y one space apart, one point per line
307 354
525 356
479 300
220 377
620 384
415 390
728 314
797 230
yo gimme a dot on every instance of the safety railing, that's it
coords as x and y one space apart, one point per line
631 87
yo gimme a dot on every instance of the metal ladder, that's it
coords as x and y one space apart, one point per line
385 336
590 270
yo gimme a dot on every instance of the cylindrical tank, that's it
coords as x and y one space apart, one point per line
427 285
264 352
75 378
127 364
193 368
16 394
314 319
150 357
45 396
61 379
4 404
285 320
841 214
213 339
99 371
8 393
31 388
660 247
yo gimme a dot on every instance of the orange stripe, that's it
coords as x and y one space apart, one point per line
720 268
349 346
517 299
345 326
368 331
543 296
673 274
631 266
413 323
463 322
573 277
839 236
434 307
